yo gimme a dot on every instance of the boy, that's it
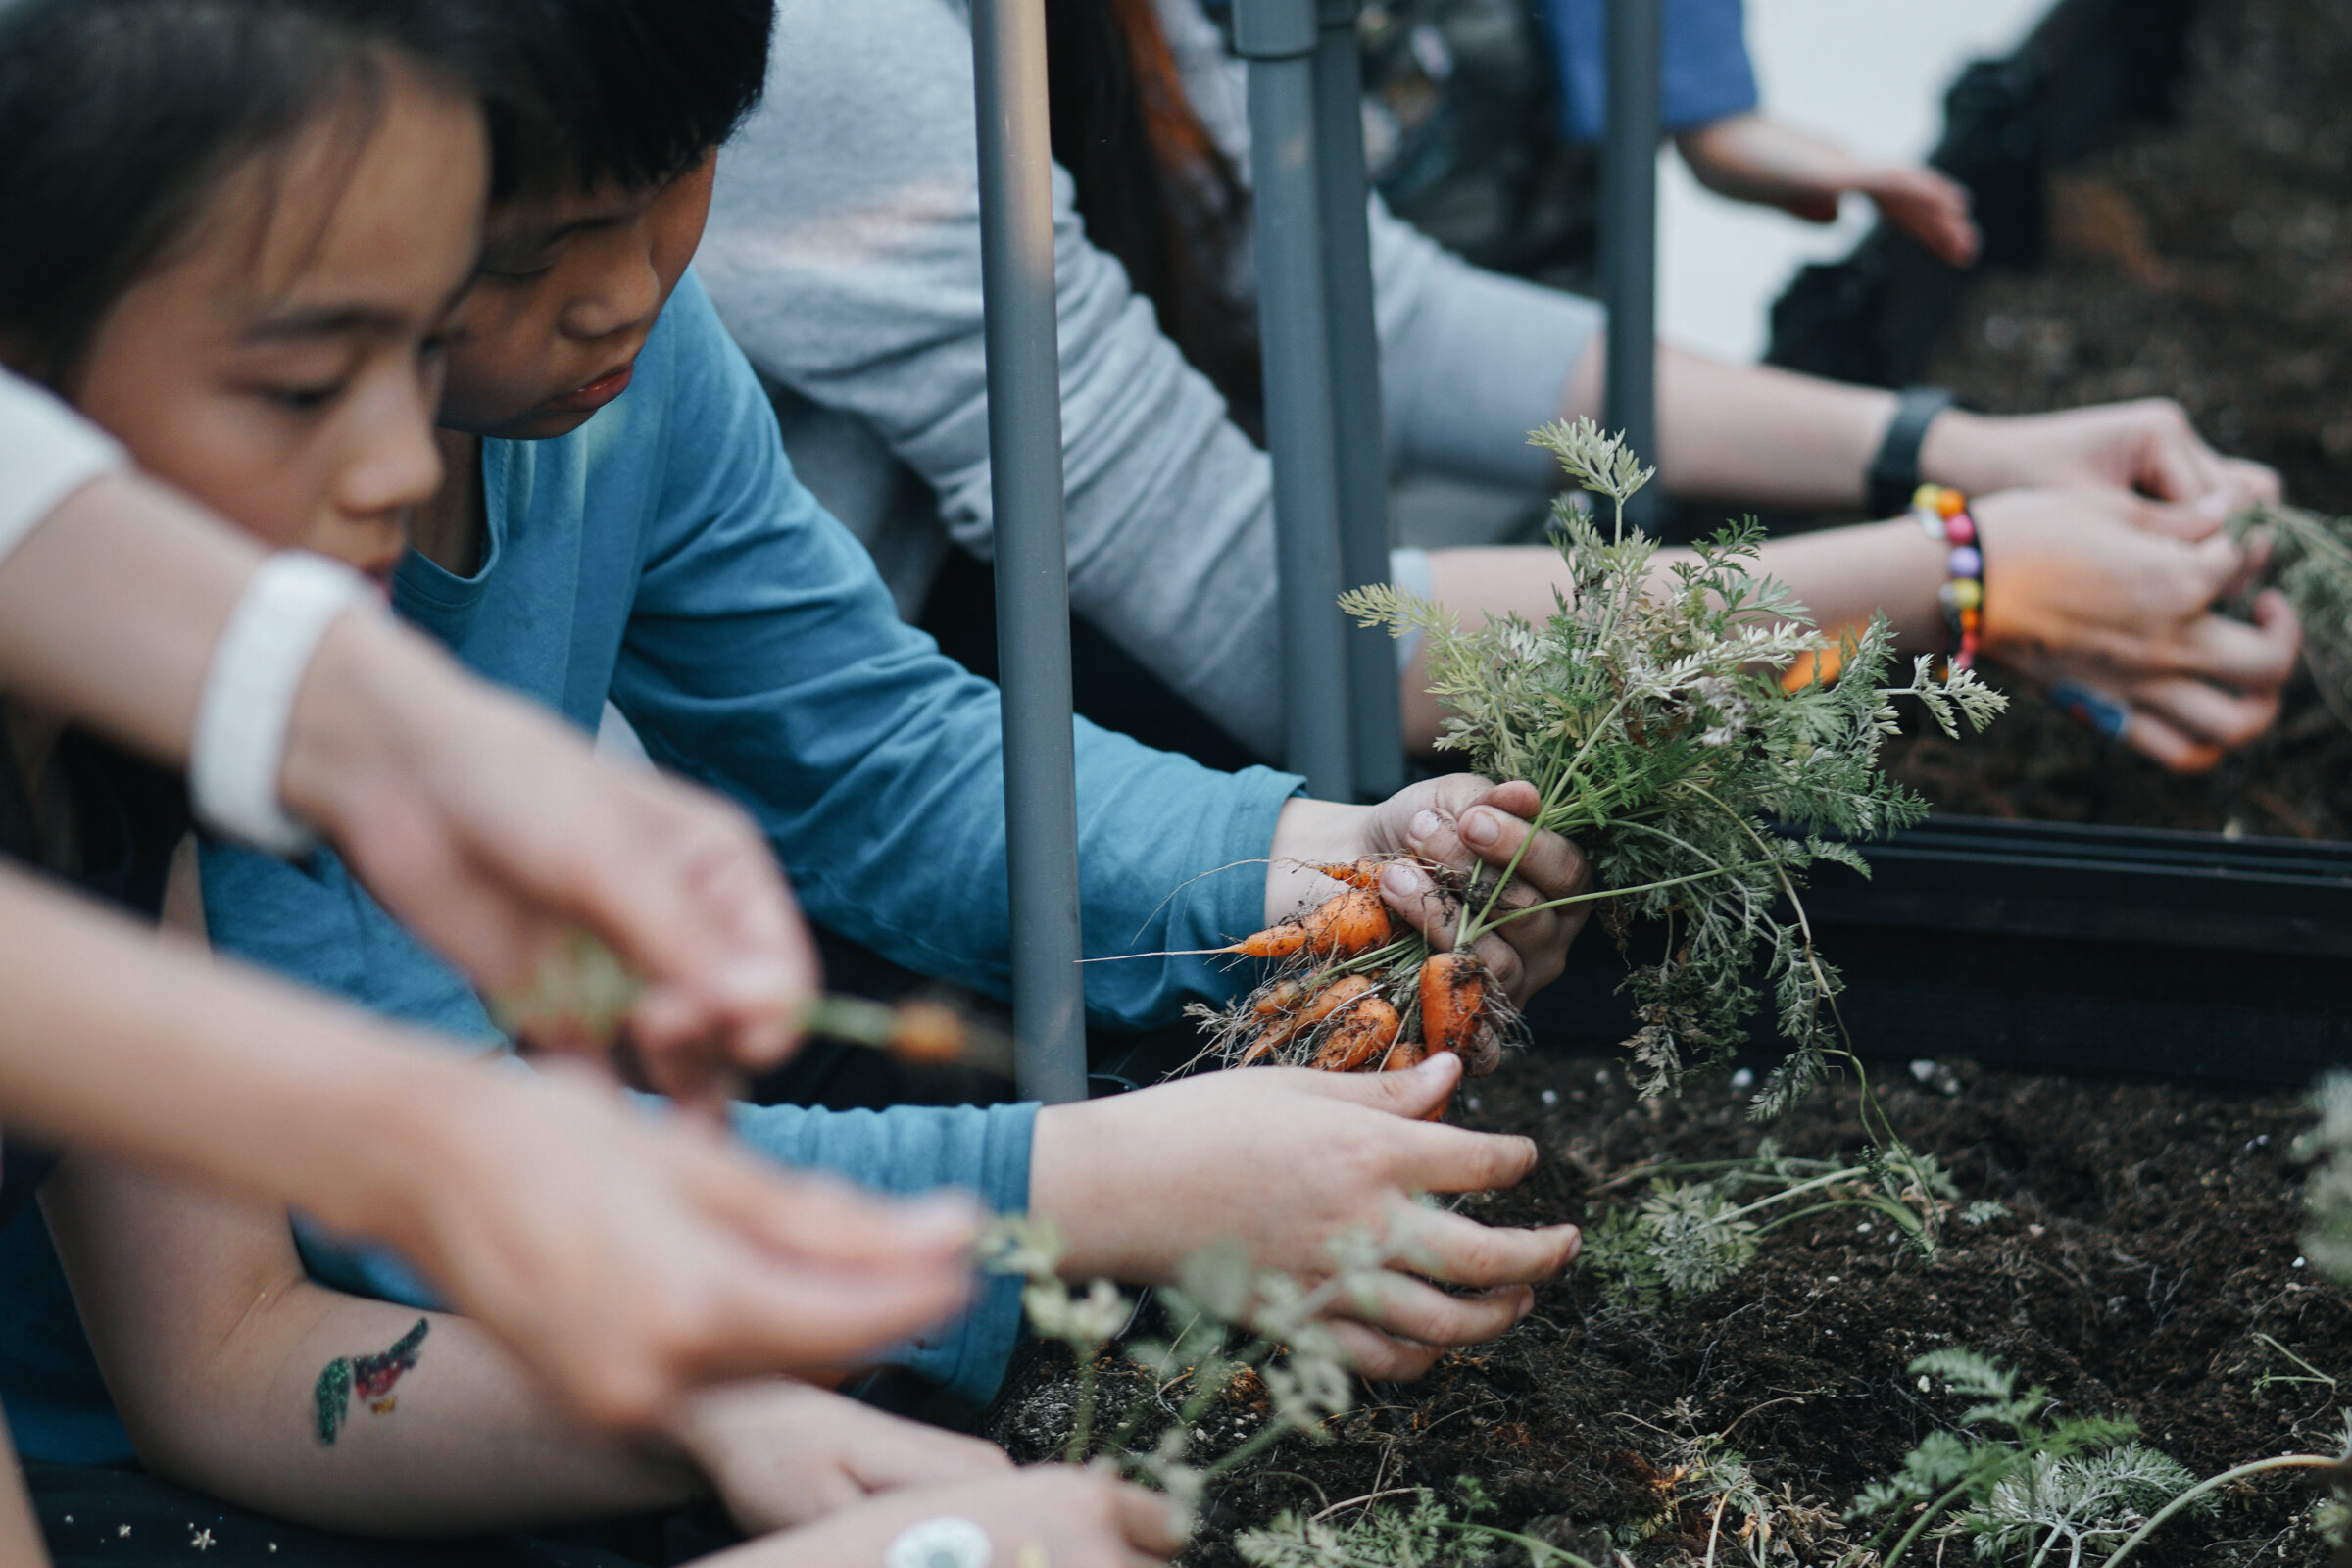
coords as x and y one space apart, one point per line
627 526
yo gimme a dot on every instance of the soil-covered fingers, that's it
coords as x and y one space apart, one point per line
1470 822
1459 1250
1384 1357
1436 1157
1398 1304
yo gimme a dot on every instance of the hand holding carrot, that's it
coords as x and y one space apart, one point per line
1461 822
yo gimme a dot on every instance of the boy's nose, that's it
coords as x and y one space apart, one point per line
627 297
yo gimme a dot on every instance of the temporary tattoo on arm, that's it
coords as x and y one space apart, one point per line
371 1377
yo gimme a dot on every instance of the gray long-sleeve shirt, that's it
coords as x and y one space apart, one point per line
844 254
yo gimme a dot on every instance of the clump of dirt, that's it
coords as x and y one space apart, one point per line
2209 260
2151 1236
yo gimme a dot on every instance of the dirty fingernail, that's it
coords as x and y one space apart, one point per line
1402 881
1425 825
1481 829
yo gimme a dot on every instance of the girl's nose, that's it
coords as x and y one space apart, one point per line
392 463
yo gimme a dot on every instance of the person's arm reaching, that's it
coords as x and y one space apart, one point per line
476 816
1754 157
623 1257
1776 438
238 1376
2094 585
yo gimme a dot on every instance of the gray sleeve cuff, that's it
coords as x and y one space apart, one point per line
1408 571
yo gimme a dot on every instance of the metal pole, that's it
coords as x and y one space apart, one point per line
1342 185
1278 38
1628 233
1032 588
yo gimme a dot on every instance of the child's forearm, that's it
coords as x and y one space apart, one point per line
236 1376
342 1414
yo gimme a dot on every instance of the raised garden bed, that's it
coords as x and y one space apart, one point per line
2181 948
2160 185
2149 1242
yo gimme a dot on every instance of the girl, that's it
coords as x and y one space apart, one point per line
273 350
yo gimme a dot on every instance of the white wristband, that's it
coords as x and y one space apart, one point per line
240 742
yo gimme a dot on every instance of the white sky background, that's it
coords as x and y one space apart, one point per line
1870 73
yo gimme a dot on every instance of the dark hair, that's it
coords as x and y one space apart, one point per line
634 91
1153 187
119 119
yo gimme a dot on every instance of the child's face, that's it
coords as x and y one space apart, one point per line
283 363
568 290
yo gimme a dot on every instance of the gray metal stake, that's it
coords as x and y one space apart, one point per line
1278 38
1629 234
1360 447
1033 589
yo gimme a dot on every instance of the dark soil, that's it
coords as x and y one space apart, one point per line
2151 1236
2211 262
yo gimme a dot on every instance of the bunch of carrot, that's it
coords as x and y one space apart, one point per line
1352 992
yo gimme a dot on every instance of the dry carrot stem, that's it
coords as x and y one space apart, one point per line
583 989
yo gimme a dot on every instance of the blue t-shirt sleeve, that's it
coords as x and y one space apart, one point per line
763 657
1704 71
917 1148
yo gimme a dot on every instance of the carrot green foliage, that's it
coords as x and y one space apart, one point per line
1687 1237
1699 784
2018 1482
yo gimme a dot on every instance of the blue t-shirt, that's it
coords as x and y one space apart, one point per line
1704 75
664 556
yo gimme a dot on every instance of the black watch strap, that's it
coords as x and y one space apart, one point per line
1894 473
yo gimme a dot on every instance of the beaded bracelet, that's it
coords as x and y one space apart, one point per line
1943 512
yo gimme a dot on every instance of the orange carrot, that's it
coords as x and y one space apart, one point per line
1359 1031
1364 874
1282 1000
927 1032
1454 999
1285 1027
1352 922
1277 941
1404 1056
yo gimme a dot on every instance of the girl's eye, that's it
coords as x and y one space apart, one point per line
304 399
